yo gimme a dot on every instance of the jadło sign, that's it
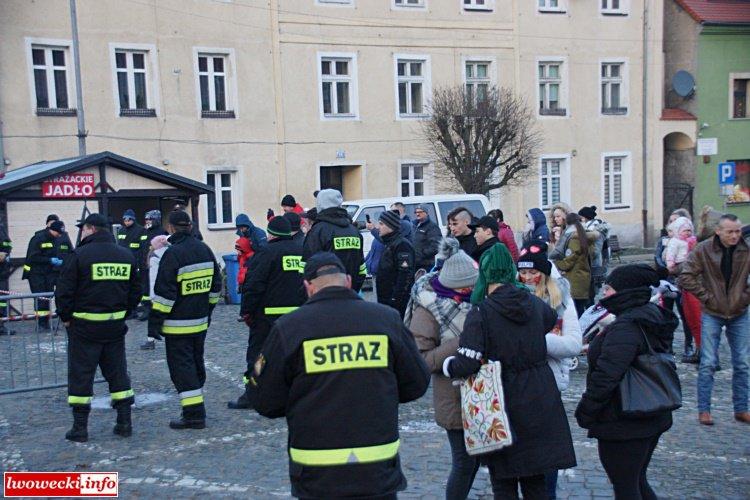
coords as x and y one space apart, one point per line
69 186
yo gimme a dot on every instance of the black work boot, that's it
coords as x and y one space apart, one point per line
79 432
193 417
242 403
124 426
43 324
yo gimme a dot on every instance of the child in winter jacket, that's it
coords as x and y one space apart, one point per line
680 244
244 252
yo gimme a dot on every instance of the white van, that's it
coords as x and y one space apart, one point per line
438 206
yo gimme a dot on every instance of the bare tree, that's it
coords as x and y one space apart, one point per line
481 142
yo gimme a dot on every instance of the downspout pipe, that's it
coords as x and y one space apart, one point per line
79 87
644 128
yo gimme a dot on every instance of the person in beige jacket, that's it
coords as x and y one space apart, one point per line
437 309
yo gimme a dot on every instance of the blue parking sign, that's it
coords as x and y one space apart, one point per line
726 173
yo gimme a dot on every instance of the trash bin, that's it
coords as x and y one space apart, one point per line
232 267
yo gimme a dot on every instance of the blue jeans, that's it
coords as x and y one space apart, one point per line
738 336
463 467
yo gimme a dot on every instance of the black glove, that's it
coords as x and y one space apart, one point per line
585 420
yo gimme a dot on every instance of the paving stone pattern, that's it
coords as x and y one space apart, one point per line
243 455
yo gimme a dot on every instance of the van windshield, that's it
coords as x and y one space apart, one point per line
351 210
474 206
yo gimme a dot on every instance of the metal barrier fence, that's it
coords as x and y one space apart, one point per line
31 358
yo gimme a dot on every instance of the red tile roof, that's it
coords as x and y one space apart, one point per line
717 11
676 114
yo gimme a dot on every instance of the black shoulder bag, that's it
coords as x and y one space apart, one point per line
651 385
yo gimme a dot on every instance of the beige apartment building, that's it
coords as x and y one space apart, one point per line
263 98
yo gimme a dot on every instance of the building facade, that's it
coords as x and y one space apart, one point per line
263 98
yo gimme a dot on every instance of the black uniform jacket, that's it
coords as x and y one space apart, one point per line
337 368
41 250
98 287
5 247
426 243
334 232
63 247
133 238
395 272
273 283
187 287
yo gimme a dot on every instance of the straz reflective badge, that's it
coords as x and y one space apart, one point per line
197 285
347 243
110 271
292 263
346 353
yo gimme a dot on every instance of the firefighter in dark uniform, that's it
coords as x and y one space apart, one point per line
98 287
63 248
334 232
5 270
337 369
396 267
40 264
187 288
133 237
272 288
152 229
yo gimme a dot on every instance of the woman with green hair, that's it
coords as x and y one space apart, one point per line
509 324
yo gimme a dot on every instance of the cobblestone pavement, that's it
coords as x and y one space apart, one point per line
241 454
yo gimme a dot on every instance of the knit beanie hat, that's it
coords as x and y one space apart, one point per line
632 276
496 266
328 198
294 220
288 201
129 214
459 271
588 212
153 215
158 242
391 219
279 226
534 256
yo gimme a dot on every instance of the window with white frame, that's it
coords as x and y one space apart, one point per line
613 84
409 3
551 5
614 7
616 179
412 78
133 82
220 203
213 82
554 171
478 4
338 89
413 179
550 77
50 76
478 79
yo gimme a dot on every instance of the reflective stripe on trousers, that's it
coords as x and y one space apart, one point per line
343 456
189 398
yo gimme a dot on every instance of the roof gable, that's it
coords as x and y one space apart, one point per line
36 172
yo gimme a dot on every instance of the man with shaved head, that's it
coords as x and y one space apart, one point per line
458 224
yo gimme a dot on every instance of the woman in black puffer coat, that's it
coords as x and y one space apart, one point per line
509 325
625 444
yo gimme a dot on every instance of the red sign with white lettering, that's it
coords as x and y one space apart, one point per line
69 186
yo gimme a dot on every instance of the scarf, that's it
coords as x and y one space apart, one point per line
449 313
496 266
448 293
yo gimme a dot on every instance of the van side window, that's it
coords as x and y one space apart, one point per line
410 207
373 212
474 206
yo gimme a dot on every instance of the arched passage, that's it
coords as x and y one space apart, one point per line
679 173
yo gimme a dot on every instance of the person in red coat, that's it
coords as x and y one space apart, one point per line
505 233
244 252
288 204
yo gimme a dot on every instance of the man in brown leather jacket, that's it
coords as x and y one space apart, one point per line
716 272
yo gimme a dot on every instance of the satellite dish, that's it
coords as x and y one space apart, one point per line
683 84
